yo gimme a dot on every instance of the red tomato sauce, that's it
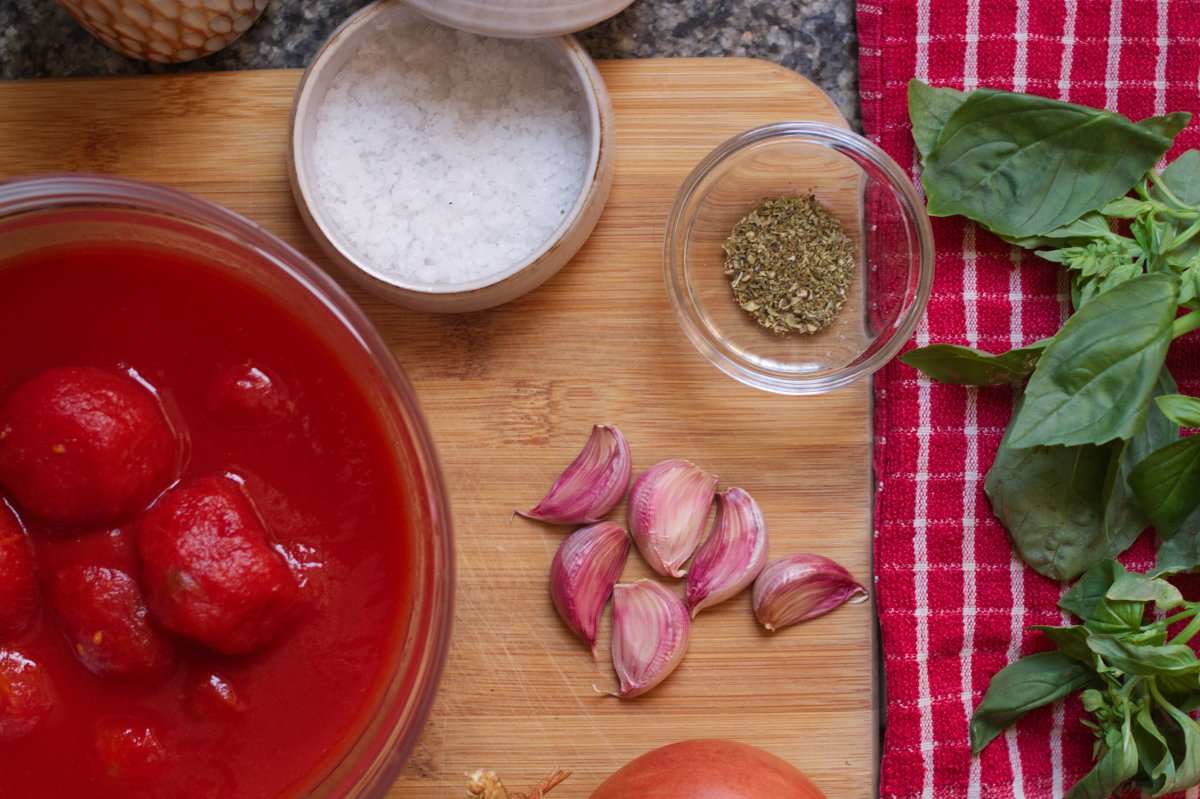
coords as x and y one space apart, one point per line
322 478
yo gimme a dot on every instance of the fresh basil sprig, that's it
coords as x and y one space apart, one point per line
1088 460
1024 165
1137 683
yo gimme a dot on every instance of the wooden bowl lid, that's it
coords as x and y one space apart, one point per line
519 19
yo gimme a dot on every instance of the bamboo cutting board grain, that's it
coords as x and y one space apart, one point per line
511 395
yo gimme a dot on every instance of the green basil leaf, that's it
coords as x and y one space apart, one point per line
1081 291
1189 280
1180 409
1180 553
1182 178
1124 517
1182 690
1118 765
1167 125
1111 729
1167 484
1162 240
1112 617
1022 164
1062 256
1186 752
1154 754
1183 260
1088 227
1050 499
1171 660
1066 508
950 363
1125 207
1147 636
1088 601
1094 382
1021 686
1092 699
1135 587
1091 590
1138 231
1070 640
929 107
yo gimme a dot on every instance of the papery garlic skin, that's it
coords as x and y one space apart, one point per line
733 554
668 506
592 485
799 587
585 569
651 629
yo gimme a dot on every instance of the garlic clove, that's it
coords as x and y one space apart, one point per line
650 635
585 568
592 485
732 556
668 506
798 587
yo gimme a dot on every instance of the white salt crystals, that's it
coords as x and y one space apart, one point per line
443 157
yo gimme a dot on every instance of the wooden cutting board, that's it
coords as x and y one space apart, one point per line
511 395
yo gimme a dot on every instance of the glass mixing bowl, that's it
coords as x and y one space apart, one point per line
58 210
880 211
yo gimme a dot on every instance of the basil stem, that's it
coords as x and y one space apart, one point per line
1187 633
1185 324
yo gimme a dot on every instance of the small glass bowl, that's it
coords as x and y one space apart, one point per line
880 211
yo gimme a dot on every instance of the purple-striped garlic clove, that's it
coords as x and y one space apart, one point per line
668 506
592 485
799 587
733 554
585 569
650 635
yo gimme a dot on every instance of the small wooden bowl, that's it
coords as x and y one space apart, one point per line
505 284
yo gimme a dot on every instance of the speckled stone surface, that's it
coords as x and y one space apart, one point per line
814 37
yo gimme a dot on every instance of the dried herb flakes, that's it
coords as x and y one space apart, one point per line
790 264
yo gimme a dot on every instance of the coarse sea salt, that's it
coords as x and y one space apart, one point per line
443 157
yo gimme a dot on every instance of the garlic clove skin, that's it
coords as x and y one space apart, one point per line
592 485
799 587
733 554
651 629
668 506
585 569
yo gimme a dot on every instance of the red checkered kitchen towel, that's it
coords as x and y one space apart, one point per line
953 602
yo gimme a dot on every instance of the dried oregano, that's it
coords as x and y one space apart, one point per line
790 264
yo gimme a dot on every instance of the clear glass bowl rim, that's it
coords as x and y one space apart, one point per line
687 312
394 741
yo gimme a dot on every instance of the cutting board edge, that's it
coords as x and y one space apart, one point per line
770 67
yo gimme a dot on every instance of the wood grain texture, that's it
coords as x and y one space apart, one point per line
511 395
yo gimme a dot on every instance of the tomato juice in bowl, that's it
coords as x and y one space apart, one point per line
125 278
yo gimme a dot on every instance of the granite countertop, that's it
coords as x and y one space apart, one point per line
814 37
